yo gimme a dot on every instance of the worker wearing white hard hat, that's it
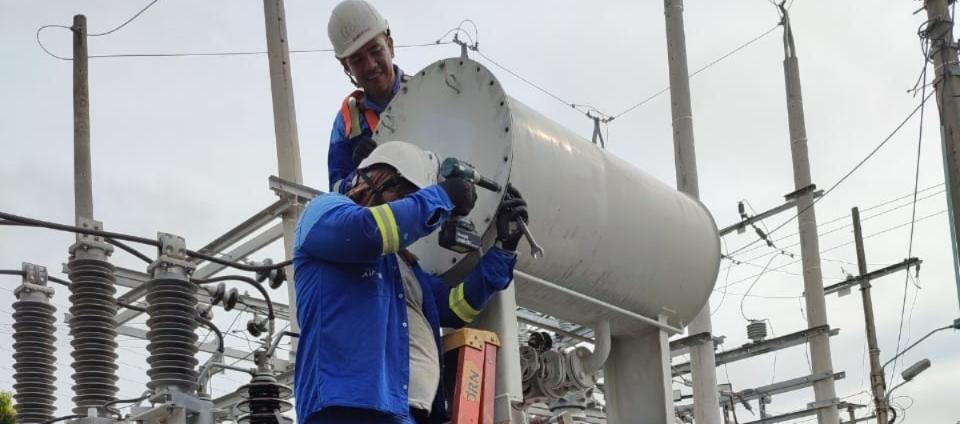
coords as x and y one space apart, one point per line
370 317
363 45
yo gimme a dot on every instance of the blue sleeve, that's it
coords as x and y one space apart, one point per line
460 304
334 228
339 157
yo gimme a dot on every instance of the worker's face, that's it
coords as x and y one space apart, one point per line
384 179
372 67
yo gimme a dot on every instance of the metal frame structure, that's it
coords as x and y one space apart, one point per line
753 349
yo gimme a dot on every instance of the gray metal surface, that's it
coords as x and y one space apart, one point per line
34 347
610 230
770 345
872 275
93 308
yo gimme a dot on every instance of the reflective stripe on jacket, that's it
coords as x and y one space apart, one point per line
346 129
354 346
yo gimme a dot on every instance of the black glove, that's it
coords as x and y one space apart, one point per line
462 193
511 211
362 147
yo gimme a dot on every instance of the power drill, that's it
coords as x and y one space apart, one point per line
458 232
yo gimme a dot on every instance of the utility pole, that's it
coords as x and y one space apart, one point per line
92 281
285 128
82 180
878 383
825 391
706 409
943 50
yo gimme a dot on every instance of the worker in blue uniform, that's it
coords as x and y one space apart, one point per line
369 316
362 42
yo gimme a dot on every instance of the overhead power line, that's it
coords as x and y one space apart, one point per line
925 46
847 216
125 22
837 229
698 71
881 232
845 176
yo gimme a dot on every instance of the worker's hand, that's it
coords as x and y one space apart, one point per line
362 147
511 211
462 193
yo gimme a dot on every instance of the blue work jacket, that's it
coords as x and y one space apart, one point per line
340 154
354 345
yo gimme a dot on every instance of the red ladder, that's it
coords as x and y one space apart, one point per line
474 378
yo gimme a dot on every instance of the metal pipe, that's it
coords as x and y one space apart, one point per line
613 308
601 348
955 325
276 342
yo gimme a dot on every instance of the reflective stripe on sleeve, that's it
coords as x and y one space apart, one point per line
336 186
460 306
387 225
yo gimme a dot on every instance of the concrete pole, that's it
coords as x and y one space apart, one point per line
82 180
285 128
878 383
824 390
943 50
706 402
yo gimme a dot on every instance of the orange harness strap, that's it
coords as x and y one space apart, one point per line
350 111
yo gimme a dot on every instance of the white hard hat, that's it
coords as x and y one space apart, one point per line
414 164
352 24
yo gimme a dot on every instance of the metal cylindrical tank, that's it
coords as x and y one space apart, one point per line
610 231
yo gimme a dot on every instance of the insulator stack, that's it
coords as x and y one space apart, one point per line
172 303
173 339
93 309
757 331
33 346
265 401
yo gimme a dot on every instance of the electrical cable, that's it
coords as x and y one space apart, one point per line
116 412
125 247
703 68
248 280
132 307
834 230
726 280
196 54
44 48
136 239
209 324
125 22
845 176
742 300
88 35
884 231
527 81
63 418
240 53
906 281
847 216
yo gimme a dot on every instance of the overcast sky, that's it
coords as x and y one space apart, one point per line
185 145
